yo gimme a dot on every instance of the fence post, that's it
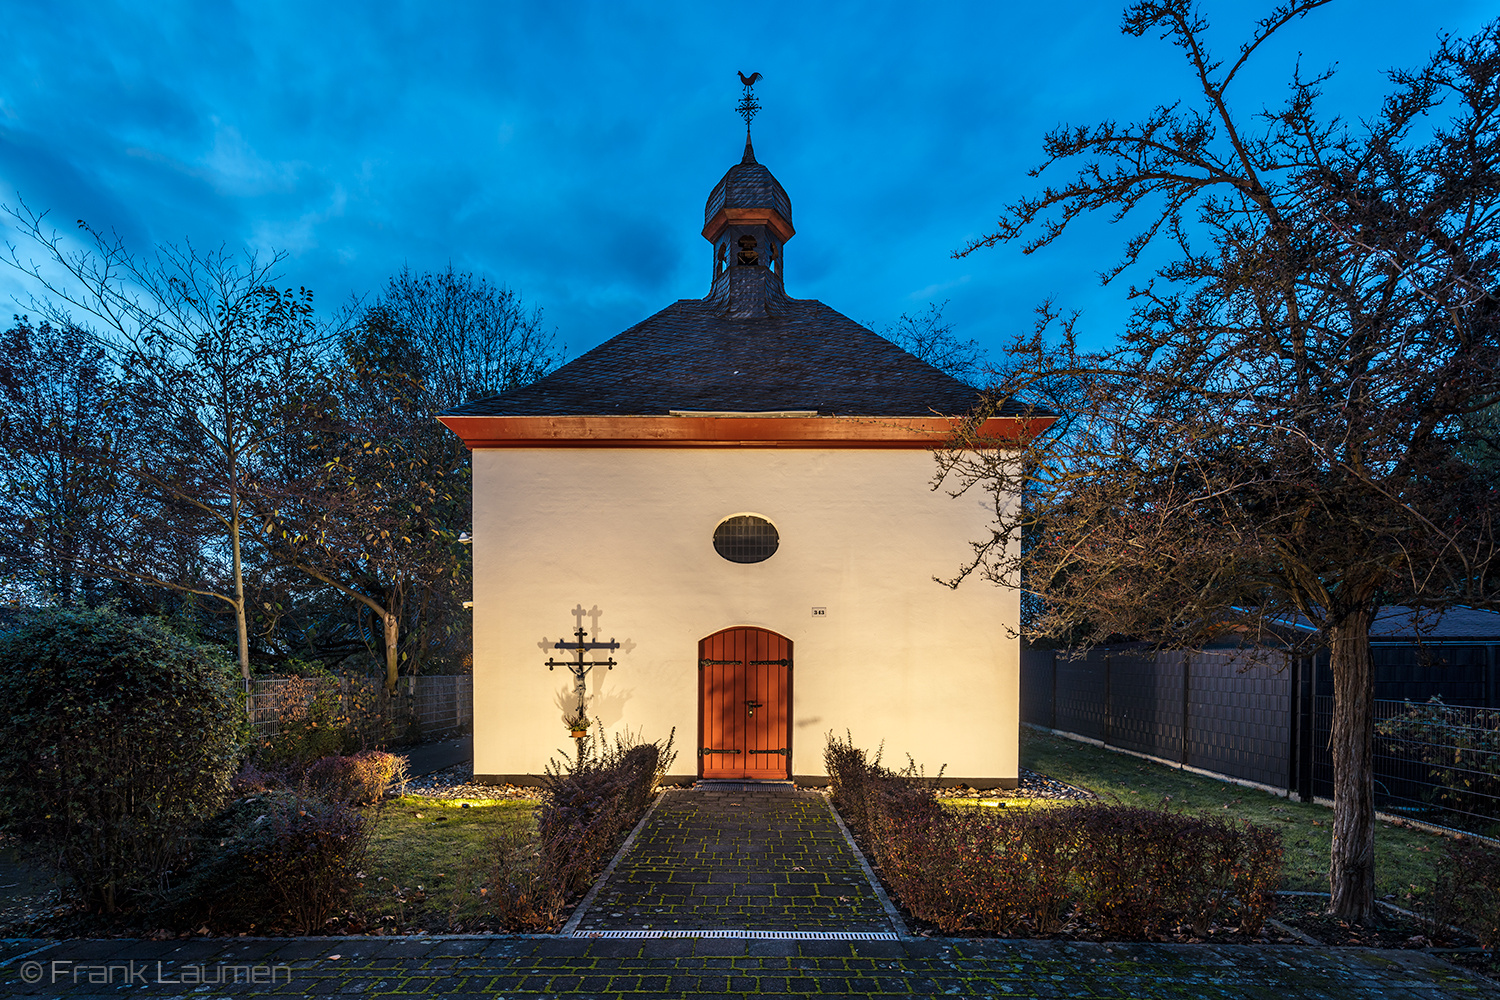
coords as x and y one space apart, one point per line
1054 690
1187 673
1109 707
1305 723
1294 726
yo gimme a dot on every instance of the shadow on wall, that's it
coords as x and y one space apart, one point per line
606 703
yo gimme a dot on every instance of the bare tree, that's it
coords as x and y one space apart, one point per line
1287 431
214 363
59 496
930 337
470 338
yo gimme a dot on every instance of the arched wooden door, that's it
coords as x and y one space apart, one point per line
745 705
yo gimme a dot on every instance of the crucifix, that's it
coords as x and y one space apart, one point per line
579 666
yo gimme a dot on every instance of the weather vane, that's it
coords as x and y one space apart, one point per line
748 105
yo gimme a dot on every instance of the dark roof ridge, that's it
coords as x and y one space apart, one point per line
802 355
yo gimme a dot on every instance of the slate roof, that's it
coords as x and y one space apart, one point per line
748 184
693 356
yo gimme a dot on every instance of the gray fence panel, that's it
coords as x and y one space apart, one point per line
1082 694
1416 673
1240 716
1036 687
443 704
1146 703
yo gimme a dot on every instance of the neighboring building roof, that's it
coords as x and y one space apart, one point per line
1403 623
690 356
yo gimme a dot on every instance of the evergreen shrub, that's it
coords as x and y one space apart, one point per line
117 737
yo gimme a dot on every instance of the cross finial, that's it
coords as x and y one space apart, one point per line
748 105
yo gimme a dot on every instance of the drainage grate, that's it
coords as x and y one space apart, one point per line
755 935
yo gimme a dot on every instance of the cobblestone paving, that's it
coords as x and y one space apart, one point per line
766 857
734 836
686 967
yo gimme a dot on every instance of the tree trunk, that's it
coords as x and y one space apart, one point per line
391 662
1351 871
241 624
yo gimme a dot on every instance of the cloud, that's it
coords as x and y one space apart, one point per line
569 156
932 291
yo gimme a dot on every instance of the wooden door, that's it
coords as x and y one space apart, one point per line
744 705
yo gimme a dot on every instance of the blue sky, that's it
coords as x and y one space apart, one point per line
566 149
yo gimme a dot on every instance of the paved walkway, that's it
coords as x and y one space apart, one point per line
752 857
425 758
685 967
720 863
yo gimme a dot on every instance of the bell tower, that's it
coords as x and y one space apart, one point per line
748 220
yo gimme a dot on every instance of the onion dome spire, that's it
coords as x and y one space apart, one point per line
748 218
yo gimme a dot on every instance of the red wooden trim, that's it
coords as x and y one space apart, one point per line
676 432
727 217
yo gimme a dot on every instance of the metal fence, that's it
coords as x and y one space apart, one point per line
1267 719
425 707
1436 763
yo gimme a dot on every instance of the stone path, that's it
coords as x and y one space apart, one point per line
424 758
740 857
693 968
736 862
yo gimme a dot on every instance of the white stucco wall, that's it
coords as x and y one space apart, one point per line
898 658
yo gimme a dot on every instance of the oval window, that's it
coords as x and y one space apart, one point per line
746 538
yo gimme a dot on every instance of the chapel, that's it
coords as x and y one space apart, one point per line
722 522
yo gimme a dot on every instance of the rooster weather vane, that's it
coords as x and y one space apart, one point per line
748 105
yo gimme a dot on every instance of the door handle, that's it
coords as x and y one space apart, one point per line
752 706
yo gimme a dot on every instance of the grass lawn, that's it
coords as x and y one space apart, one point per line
430 858
1403 855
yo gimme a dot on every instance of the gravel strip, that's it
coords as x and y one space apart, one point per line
457 782
1032 786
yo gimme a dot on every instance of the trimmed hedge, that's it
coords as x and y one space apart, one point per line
588 806
1127 873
